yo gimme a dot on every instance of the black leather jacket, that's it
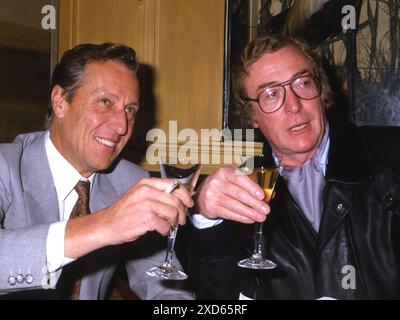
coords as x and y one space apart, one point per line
356 253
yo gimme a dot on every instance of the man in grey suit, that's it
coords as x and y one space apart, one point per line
94 99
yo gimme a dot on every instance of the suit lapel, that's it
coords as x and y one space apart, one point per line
103 193
40 192
37 183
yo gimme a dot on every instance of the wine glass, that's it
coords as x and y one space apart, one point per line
187 173
265 176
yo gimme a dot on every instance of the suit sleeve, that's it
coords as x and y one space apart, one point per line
22 250
23 259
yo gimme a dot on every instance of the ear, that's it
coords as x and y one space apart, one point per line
58 102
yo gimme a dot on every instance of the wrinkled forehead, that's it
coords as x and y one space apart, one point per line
108 74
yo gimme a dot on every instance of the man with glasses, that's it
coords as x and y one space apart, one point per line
332 227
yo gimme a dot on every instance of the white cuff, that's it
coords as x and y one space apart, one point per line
201 222
55 247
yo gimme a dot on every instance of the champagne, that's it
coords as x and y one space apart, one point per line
266 178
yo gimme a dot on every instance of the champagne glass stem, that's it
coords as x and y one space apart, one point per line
170 246
258 239
265 177
187 177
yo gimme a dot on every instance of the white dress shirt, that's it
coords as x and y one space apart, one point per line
65 177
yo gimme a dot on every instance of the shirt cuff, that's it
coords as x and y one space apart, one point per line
201 222
55 247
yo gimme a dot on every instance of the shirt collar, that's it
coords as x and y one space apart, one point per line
323 150
321 156
65 176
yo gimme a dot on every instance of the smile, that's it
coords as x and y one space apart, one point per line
298 128
106 143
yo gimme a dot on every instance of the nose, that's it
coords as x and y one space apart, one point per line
119 122
292 102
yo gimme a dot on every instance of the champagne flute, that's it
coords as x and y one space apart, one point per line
187 174
265 176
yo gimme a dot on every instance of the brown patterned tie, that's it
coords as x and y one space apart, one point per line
81 208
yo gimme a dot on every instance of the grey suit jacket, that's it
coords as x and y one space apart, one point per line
28 205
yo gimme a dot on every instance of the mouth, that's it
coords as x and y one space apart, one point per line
298 128
106 143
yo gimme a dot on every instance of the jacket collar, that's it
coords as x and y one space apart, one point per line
39 188
348 165
347 159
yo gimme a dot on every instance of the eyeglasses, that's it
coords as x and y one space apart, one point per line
271 99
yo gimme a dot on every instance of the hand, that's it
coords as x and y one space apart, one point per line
144 207
147 207
229 195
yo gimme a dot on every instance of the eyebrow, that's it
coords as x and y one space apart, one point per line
134 103
273 83
105 92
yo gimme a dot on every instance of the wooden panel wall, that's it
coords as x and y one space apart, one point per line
98 21
182 39
190 66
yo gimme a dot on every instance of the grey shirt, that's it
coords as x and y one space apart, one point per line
306 183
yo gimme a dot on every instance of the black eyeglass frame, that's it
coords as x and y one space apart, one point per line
283 85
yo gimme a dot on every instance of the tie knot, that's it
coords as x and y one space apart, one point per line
81 207
82 188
